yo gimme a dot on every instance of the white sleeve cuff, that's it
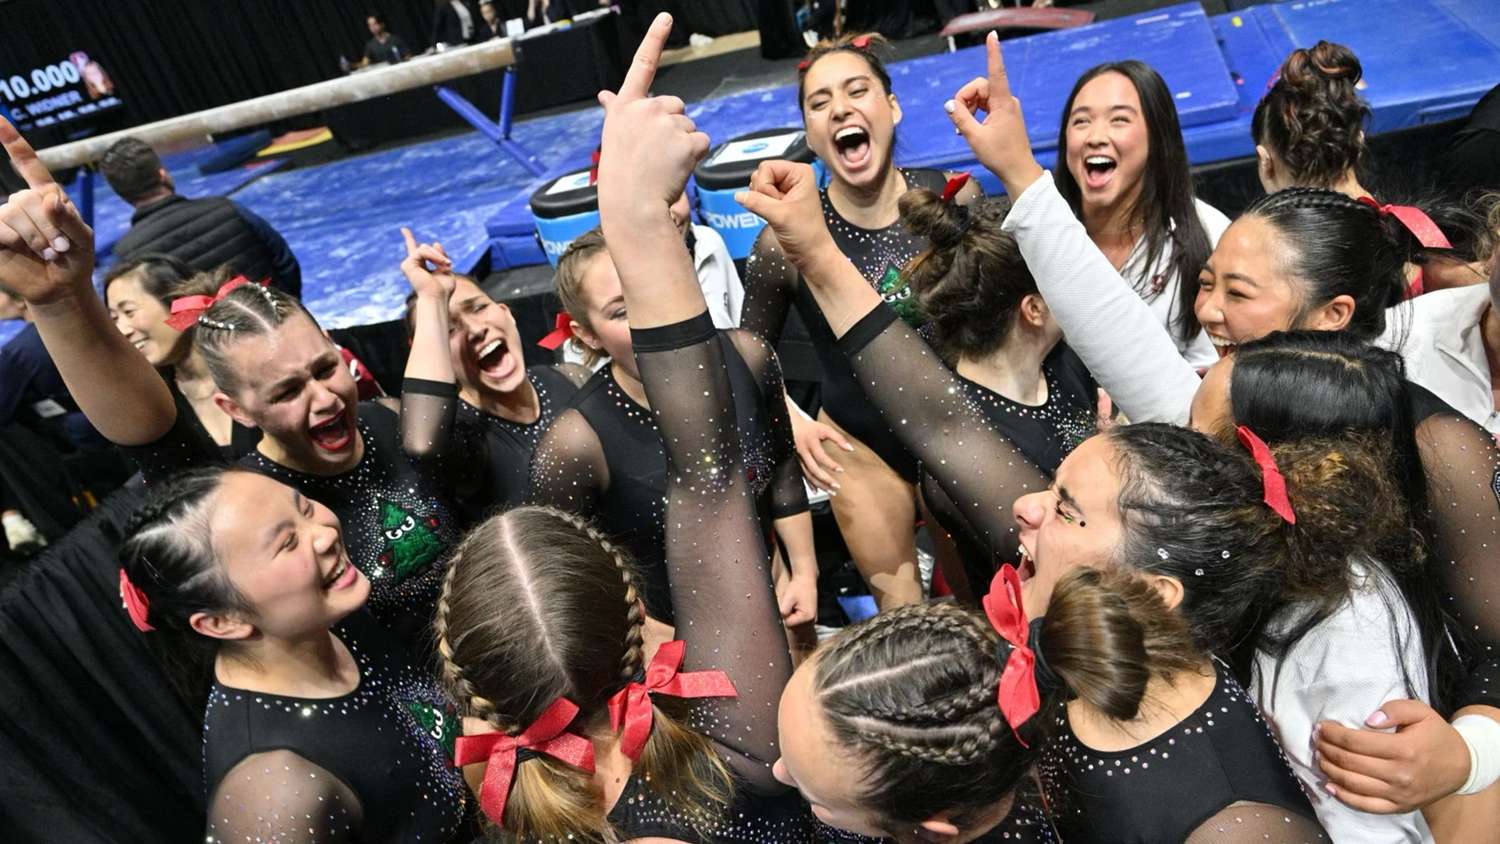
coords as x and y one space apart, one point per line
1482 736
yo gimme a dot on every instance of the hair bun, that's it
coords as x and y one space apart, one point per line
925 214
1324 63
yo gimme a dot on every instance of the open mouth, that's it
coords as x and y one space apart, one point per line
852 143
495 360
334 435
1098 170
1223 345
1026 567
342 576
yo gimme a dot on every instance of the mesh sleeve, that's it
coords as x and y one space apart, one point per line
433 436
186 445
717 557
788 494
1463 489
568 469
1261 823
923 402
1132 356
770 282
281 797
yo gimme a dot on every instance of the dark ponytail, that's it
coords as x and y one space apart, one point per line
168 554
1336 246
1313 117
970 282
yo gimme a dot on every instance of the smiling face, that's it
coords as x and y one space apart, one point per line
484 342
1107 143
850 118
604 326
143 320
1075 522
285 555
1244 291
293 385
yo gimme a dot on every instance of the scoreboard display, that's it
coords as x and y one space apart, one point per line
75 90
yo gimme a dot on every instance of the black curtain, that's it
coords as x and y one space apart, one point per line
171 57
96 746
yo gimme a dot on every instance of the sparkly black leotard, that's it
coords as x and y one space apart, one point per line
983 473
718 565
1045 434
397 526
484 461
604 458
772 286
373 765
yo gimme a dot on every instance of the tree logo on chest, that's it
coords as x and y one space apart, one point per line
410 543
894 288
440 724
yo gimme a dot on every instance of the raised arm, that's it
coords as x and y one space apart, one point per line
47 256
716 556
770 283
1129 352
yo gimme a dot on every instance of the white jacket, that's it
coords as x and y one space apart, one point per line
1439 335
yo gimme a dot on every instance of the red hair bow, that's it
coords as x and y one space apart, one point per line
562 332
1275 482
860 43
545 735
631 706
1019 697
1421 226
954 185
136 605
185 310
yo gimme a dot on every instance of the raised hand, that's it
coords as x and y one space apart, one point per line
650 146
427 267
999 140
785 195
46 250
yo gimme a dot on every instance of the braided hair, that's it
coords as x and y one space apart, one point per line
538 604
248 310
912 692
1336 246
168 554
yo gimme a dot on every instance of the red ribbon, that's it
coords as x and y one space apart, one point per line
562 332
545 735
185 310
1421 226
631 706
1018 697
136 605
860 43
594 166
954 185
1275 482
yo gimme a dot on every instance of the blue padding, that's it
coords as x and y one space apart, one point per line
1422 63
557 232
1478 15
234 152
858 607
737 226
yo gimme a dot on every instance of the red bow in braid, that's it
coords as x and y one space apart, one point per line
954 185
1421 226
547 734
562 332
631 706
187 309
1018 697
1271 477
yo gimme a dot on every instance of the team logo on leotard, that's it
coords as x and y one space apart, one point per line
410 543
440 724
893 287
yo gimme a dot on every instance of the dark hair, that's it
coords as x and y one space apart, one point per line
1329 386
1165 207
1336 246
168 554
132 168
379 18
913 690
971 279
872 44
1313 117
539 605
246 311
159 275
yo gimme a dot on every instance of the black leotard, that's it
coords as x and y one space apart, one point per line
372 765
772 285
603 457
483 461
718 564
242 440
1217 776
397 527
1045 434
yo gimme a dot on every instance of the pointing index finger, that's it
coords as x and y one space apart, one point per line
411 241
24 157
999 82
642 73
